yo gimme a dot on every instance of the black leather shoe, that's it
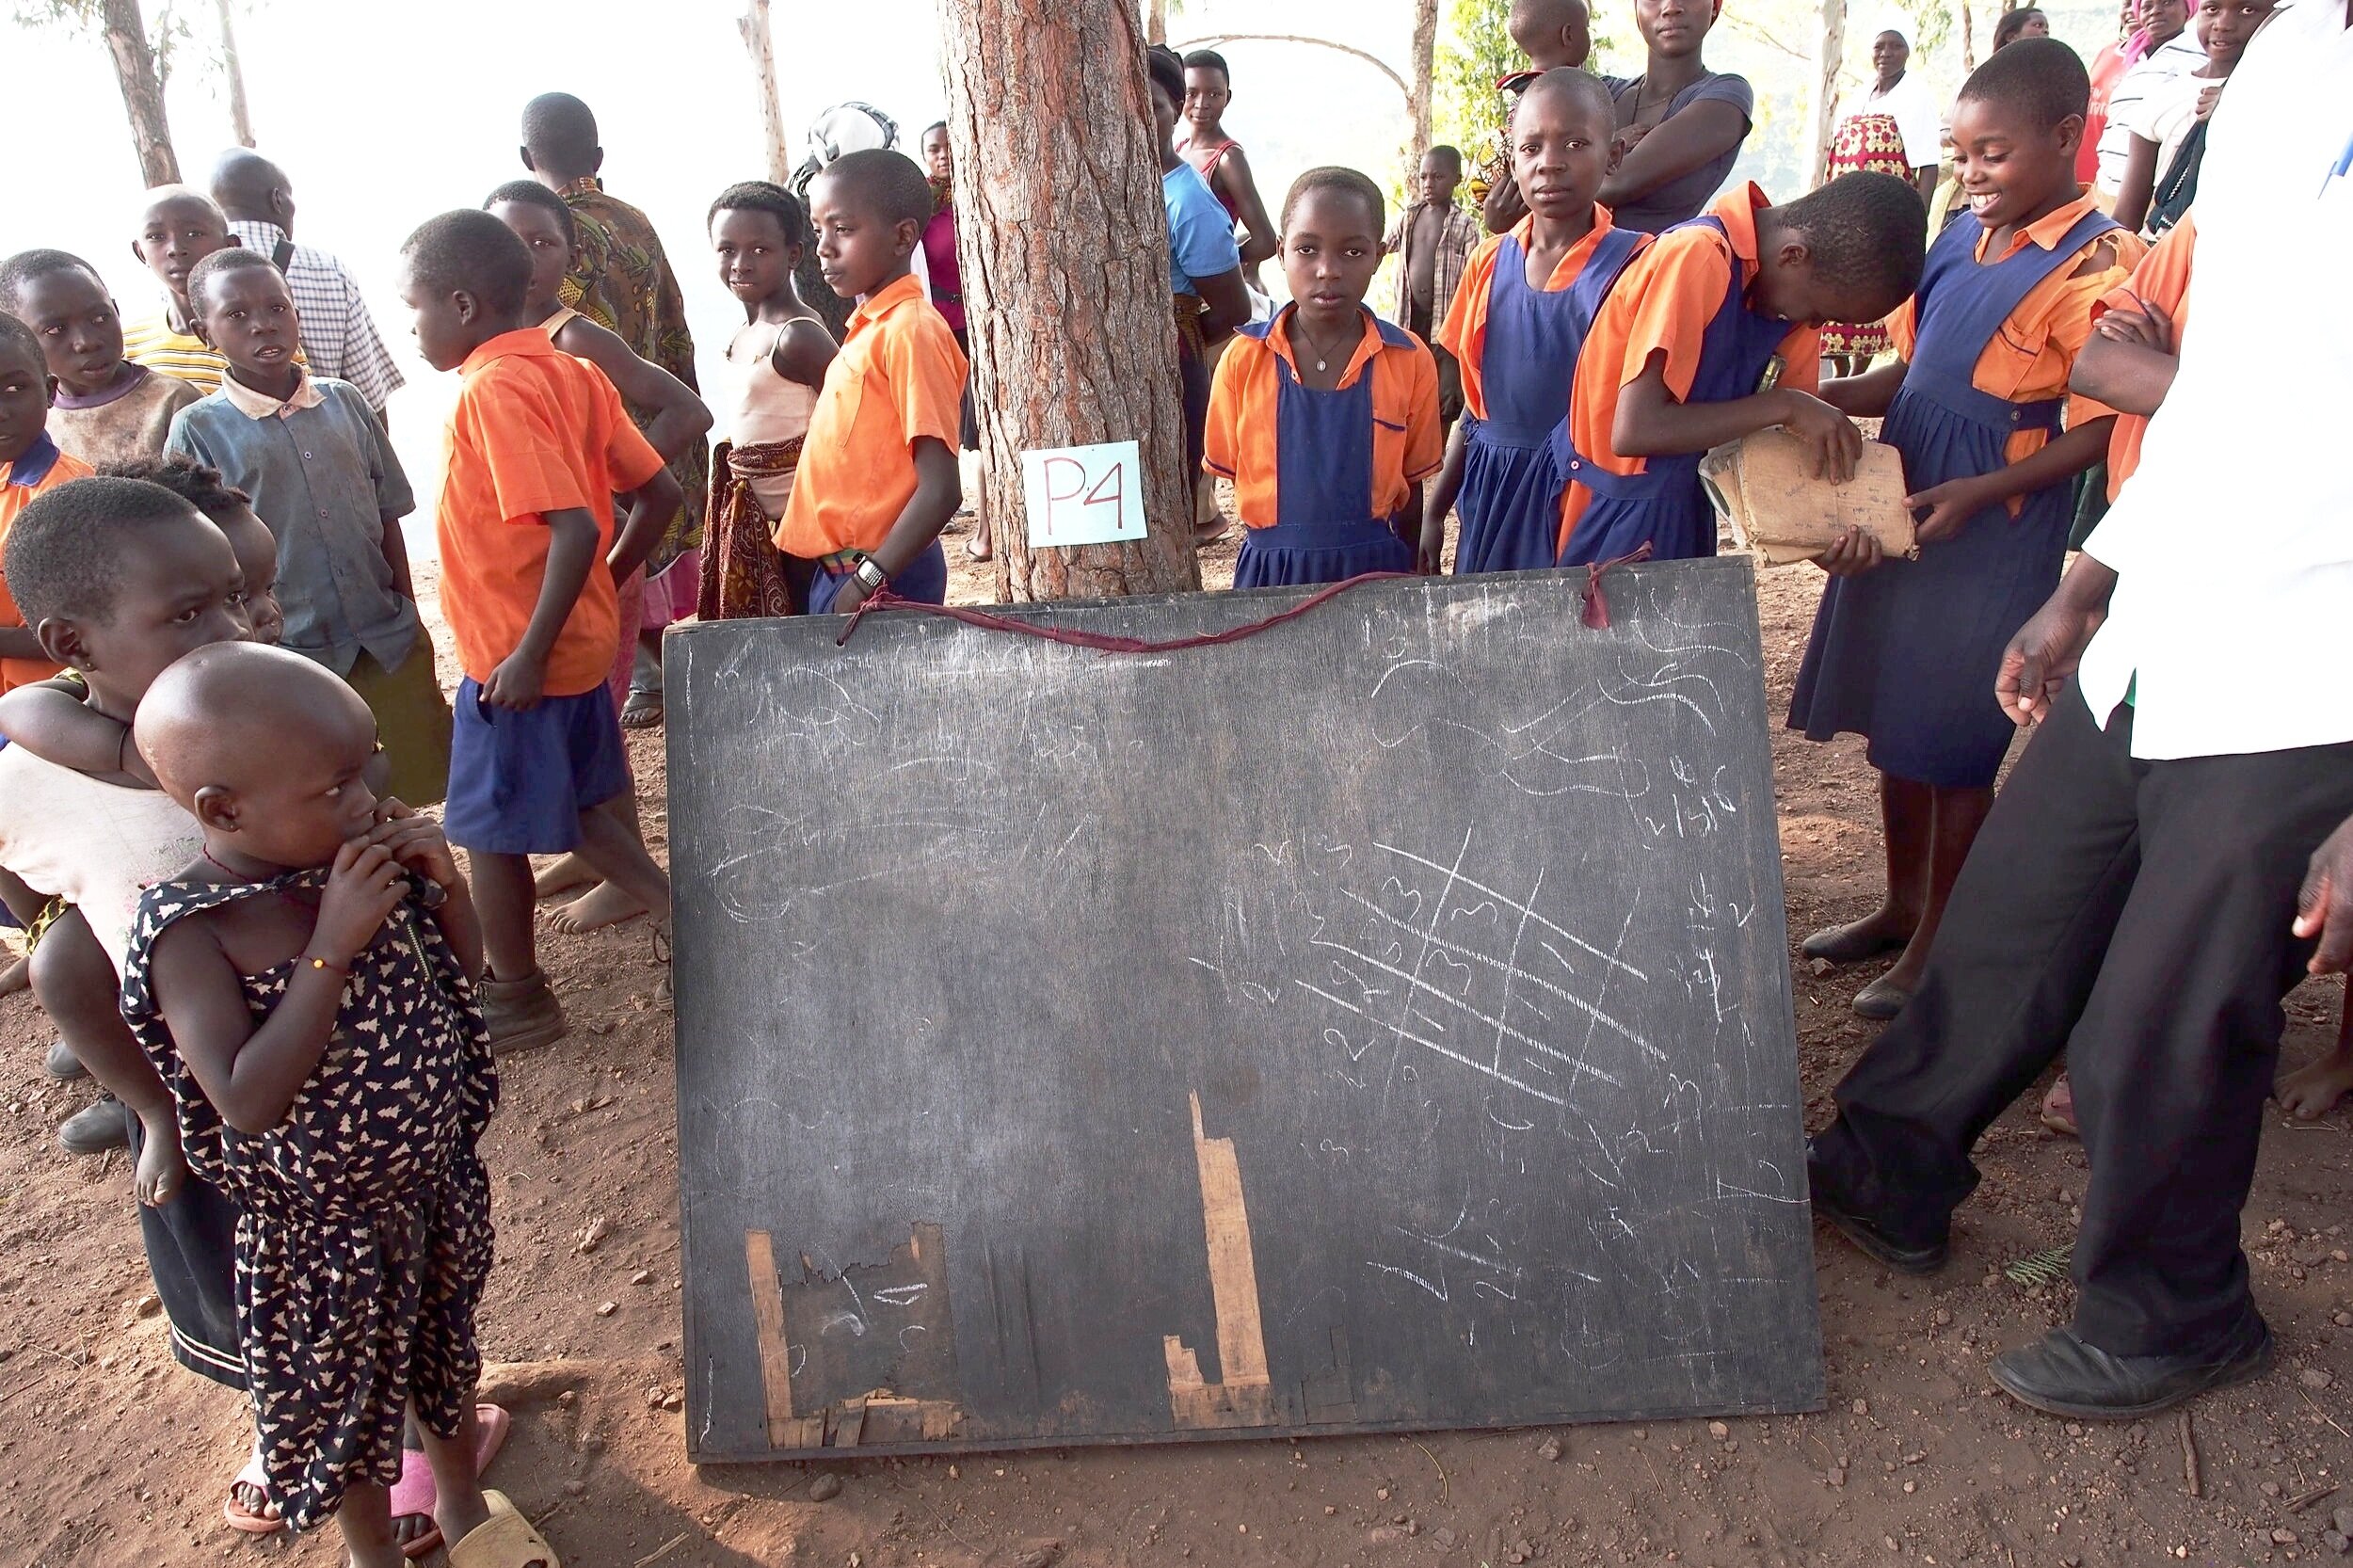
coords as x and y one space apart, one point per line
1864 1232
95 1129
2066 1377
62 1064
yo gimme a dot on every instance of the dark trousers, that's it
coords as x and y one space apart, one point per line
2135 916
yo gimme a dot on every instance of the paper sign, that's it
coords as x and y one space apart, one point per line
1085 494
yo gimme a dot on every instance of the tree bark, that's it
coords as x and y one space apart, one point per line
1417 96
1064 246
240 117
1833 58
1968 40
142 85
1156 21
761 42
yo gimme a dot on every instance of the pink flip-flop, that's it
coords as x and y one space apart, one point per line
415 1493
235 1513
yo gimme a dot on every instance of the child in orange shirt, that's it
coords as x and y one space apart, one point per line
877 479
1906 654
1325 418
539 444
1713 334
30 463
1520 317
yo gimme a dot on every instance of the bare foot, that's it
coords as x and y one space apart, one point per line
1884 929
16 976
2312 1092
569 873
162 1167
604 904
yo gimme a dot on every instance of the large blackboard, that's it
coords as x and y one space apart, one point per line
1380 1022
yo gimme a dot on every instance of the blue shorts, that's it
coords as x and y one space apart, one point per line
925 581
518 782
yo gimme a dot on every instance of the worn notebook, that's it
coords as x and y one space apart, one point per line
1764 484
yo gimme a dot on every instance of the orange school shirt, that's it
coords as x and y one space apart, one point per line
1663 302
898 378
1239 442
535 431
41 469
2029 359
2161 279
1464 333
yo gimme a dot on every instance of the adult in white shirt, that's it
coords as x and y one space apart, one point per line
1906 100
2173 50
2130 899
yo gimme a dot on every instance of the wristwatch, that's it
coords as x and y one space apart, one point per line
870 576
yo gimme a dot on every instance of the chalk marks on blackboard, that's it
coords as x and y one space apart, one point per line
1243 1396
805 1329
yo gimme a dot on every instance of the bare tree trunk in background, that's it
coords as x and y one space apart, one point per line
1064 246
1833 53
1156 21
142 85
1425 53
1968 40
761 43
240 118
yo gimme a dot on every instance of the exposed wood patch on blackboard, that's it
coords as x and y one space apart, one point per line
1243 1396
873 1345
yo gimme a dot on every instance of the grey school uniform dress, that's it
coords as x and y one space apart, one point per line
363 1228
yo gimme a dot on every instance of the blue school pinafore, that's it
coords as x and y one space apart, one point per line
1906 655
1324 529
1513 474
1665 506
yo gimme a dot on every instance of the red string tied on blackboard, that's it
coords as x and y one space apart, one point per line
1596 614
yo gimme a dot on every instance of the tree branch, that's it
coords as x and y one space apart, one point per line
1375 61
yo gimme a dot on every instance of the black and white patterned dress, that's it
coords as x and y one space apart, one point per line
363 1226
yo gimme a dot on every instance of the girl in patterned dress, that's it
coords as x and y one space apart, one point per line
306 991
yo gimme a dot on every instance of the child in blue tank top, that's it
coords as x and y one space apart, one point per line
1905 652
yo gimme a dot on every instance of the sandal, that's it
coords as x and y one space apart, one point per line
415 1492
522 1015
240 1518
505 1540
643 710
2057 1111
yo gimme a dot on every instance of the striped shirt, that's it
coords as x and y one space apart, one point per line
151 343
339 336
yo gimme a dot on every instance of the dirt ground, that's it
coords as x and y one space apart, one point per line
109 1454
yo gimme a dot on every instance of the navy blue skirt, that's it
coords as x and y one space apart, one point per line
1510 504
1293 554
1678 525
1906 656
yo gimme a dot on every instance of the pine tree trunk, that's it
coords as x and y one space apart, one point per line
1425 54
1834 54
142 85
240 117
1064 246
759 41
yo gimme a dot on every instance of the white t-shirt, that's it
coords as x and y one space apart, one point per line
93 844
2176 57
2234 540
2165 114
1917 119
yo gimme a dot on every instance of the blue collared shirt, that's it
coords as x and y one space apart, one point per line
324 478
